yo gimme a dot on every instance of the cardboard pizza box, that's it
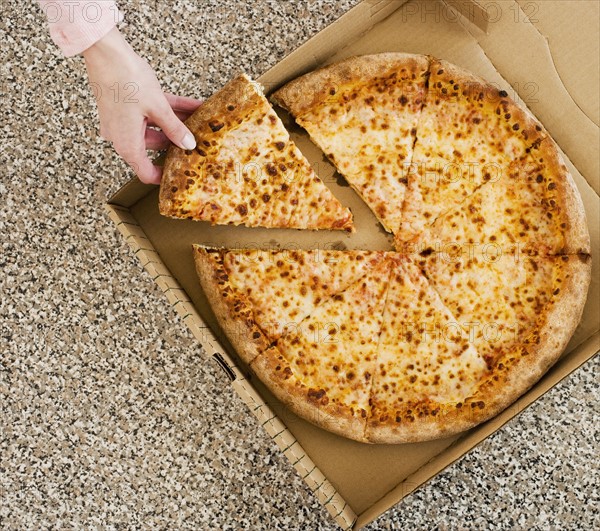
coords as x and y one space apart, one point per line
527 49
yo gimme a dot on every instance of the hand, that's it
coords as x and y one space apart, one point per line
131 105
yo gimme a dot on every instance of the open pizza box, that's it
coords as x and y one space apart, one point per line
528 49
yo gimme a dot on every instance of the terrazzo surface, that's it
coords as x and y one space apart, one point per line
110 417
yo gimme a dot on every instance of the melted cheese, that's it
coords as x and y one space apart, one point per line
517 214
333 350
286 286
423 355
498 300
463 141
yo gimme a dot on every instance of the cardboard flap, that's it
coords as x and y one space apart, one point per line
130 193
571 32
537 80
316 50
473 11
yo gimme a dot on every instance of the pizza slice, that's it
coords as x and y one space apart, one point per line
363 113
258 294
469 133
425 362
501 301
534 208
322 368
246 169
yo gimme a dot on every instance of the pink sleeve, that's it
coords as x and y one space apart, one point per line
76 25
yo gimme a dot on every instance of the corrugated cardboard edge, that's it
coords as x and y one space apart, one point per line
291 448
178 299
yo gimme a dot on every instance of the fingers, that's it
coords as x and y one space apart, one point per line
183 116
182 103
172 127
155 139
167 115
147 172
134 153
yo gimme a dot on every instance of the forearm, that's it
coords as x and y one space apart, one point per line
75 25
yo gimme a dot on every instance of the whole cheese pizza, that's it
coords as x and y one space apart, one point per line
482 293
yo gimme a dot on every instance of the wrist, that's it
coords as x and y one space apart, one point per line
109 47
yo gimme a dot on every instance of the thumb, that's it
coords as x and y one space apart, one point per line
173 128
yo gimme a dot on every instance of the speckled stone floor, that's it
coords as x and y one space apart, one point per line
108 420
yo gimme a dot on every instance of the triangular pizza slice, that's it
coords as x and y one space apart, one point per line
425 362
501 301
363 112
246 169
259 294
322 368
532 208
469 133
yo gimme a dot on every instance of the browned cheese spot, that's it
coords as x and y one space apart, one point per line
216 125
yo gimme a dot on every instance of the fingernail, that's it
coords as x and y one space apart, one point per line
188 142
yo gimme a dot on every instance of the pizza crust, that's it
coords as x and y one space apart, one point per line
304 93
270 367
232 309
576 235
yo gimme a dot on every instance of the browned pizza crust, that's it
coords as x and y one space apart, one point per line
313 88
206 122
231 307
513 374
311 404
448 81
563 190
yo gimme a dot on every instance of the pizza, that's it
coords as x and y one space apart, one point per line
245 169
482 292
382 348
